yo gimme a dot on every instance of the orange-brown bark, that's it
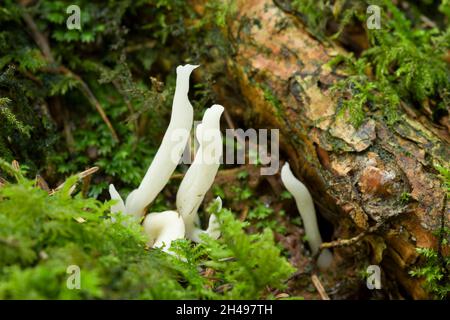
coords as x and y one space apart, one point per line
357 176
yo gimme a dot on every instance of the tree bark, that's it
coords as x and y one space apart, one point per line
277 77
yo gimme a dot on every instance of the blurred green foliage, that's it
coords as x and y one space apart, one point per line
41 235
125 53
435 269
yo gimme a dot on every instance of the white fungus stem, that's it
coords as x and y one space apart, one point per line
119 206
164 163
202 172
170 150
305 206
213 230
162 228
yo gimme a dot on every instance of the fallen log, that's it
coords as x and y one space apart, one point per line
278 77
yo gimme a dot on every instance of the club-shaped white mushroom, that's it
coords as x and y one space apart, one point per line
212 231
162 228
119 206
305 206
200 175
169 152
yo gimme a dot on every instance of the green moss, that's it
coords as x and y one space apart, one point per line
360 94
271 98
405 197
314 14
404 61
444 173
115 53
41 235
435 272
253 270
435 269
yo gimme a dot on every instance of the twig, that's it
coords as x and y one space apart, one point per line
41 183
244 214
319 287
88 94
15 164
93 100
86 182
351 241
3 182
38 37
149 44
296 275
81 176
87 172
348 242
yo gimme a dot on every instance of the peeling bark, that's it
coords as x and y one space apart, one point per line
357 176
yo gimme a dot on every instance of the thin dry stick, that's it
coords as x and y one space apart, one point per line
38 37
85 186
16 166
146 45
88 94
81 176
319 287
2 182
348 242
88 172
93 100
41 183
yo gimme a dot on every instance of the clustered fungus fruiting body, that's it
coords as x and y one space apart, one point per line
200 175
173 143
305 206
164 227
